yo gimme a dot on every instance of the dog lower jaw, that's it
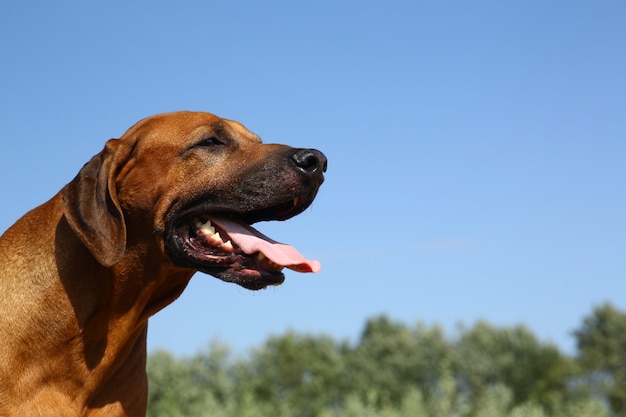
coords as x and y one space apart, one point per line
190 247
249 279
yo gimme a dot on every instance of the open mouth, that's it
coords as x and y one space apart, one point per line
234 251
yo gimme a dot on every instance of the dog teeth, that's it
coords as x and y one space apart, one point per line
273 265
206 227
209 230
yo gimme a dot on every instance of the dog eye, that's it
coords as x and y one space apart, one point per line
209 142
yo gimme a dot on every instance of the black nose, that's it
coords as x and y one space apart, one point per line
310 161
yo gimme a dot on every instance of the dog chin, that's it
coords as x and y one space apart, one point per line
249 279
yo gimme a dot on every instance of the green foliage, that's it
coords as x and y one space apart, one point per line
601 344
298 372
395 370
514 358
391 359
188 387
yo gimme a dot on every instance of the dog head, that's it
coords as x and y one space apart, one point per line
195 183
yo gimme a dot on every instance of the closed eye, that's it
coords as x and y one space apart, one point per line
212 144
209 142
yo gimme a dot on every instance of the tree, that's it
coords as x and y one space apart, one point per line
196 386
601 342
395 370
297 372
391 359
513 357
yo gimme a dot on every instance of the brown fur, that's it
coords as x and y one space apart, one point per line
81 274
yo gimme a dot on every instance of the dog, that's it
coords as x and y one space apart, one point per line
81 274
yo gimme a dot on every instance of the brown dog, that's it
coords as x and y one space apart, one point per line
81 274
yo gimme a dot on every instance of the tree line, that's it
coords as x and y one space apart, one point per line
396 370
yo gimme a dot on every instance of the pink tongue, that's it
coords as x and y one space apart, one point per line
252 241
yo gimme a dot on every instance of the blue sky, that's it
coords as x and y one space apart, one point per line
477 150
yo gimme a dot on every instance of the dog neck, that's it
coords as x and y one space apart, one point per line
91 319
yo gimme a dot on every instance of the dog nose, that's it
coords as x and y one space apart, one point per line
310 161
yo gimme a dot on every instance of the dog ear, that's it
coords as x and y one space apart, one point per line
92 209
